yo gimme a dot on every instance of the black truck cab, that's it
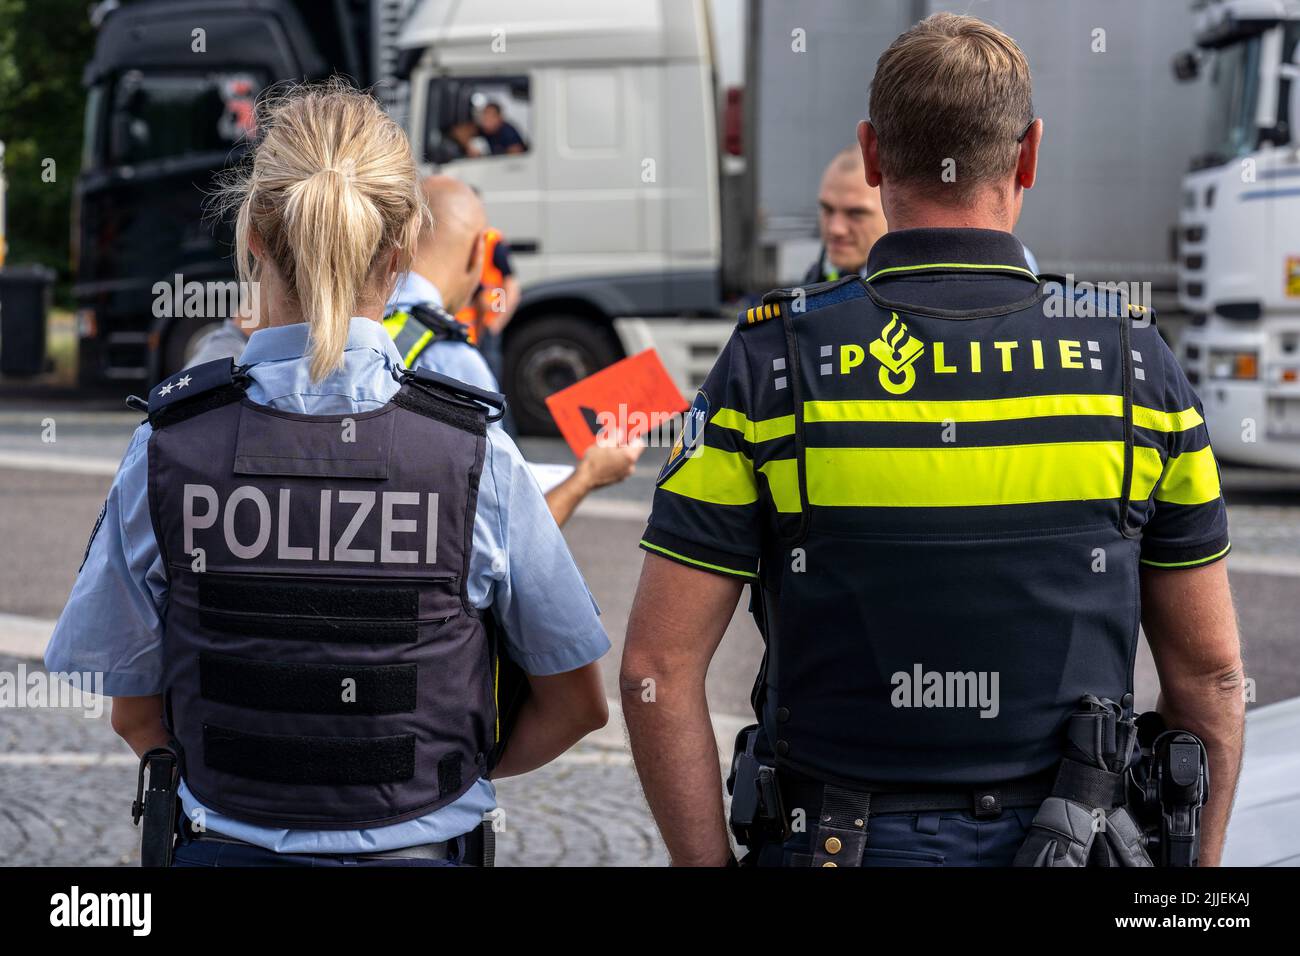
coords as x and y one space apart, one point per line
171 90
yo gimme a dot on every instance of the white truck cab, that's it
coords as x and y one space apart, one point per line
603 175
1239 255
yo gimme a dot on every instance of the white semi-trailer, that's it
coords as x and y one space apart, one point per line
1239 264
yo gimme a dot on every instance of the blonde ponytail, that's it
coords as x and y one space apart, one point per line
331 195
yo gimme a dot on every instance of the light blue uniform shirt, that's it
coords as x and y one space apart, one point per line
458 360
519 565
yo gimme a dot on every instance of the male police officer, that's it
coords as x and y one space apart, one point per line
849 218
443 277
421 320
946 483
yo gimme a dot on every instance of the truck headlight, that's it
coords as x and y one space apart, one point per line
1234 366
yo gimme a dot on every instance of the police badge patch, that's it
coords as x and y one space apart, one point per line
693 423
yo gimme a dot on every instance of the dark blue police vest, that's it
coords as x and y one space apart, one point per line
323 666
957 569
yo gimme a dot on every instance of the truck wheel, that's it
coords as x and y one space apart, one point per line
182 341
547 354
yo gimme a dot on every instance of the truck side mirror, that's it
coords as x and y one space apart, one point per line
1187 65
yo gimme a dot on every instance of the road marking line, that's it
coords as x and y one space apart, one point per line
24 636
1264 564
615 509
47 461
67 759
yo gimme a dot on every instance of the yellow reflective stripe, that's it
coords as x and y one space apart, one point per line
1191 478
394 323
414 352
715 476
763 430
965 477
950 265
980 410
1159 421
783 483
984 410
1147 466
1188 564
701 564
783 477
998 409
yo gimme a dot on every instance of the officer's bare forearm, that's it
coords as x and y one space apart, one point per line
560 710
565 497
1190 625
678 618
139 721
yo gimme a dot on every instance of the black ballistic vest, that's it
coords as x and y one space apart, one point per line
942 566
323 666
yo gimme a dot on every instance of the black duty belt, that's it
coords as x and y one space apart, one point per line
984 800
842 814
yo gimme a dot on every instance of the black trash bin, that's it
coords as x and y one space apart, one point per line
24 304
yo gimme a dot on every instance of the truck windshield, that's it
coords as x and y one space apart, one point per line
155 116
1234 89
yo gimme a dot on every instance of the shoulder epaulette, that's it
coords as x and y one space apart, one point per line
191 383
193 391
805 298
760 313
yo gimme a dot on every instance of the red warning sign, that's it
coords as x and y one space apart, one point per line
631 397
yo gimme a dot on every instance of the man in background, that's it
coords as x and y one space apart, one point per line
443 278
850 218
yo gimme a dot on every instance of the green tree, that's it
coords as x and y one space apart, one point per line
44 45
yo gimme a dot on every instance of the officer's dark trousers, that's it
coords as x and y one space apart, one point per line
925 839
212 853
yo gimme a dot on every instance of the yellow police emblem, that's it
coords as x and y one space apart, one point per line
897 352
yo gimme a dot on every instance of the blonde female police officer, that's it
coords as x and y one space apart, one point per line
301 566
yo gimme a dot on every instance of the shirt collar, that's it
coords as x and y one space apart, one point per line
288 342
414 289
905 250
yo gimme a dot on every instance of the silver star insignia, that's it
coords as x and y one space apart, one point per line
182 382
166 389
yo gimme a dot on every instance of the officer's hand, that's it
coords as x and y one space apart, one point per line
608 464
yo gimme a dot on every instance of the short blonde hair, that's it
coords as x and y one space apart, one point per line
330 192
951 88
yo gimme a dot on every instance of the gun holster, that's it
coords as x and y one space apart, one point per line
1167 788
757 810
158 806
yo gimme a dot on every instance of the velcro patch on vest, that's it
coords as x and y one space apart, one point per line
298 688
449 774
323 761
353 446
299 611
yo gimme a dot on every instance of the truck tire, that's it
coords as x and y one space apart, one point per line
182 339
548 353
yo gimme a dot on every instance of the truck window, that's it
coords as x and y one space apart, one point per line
476 118
157 116
1234 89
92 132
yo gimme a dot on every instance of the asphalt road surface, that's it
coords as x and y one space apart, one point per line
66 781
